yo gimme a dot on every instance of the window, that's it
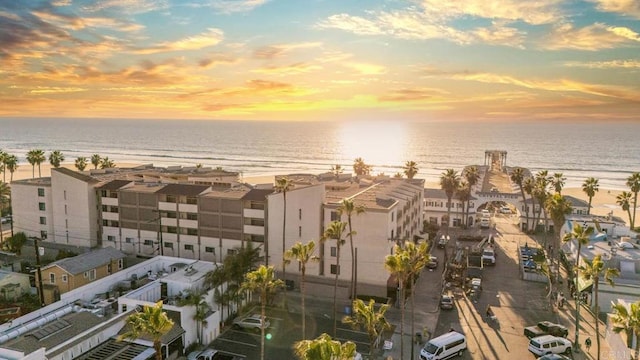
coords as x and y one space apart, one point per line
300 214
192 232
335 268
65 209
168 245
172 214
64 278
43 235
52 278
192 216
209 249
171 198
192 200
392 215
188 247
120 264
40 192
43 220
334 251
41 206
335 216
299 231
103 193
92 274
111 238
232 251
128 240
65 194
148 242
172 229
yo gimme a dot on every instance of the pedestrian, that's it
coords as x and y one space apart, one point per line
587 343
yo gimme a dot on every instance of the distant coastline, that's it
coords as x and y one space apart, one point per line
603 202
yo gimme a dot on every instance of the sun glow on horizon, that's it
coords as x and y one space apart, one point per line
377 142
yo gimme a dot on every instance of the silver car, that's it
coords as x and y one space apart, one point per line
251 322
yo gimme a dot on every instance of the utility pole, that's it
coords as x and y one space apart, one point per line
39 272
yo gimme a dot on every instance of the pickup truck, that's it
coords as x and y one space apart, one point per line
488 256
546 328
212 354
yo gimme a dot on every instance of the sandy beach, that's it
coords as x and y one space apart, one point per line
602 204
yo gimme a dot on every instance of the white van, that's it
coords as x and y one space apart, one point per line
485 223
444 346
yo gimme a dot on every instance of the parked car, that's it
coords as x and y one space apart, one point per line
212 354
251 322
442 242
446 302
554 357
549 344
505 210
433 262
546 328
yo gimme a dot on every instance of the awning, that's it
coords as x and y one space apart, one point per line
584 285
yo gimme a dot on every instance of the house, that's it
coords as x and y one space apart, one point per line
67 274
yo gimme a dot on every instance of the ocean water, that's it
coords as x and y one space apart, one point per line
608 151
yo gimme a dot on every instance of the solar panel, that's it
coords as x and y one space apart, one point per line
50 329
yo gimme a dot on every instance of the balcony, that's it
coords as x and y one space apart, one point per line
167 206
110 216
254 230
254 213
190 208
109 201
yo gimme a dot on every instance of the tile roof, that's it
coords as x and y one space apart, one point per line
183 189
87 261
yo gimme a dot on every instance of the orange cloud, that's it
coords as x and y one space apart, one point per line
207 39
591 38
624 7
293 69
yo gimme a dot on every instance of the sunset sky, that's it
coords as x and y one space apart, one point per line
321 59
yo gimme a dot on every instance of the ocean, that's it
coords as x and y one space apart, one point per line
608 151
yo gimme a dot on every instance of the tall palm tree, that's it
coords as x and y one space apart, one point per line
55 158
324 348
360 168
557 182
410 169
463 193
196 299
303 253
624 200
592 270
96 160
518 176
418 259
81 163
528 185
106 163
283 185
337 170
633 182
399 266
11 163
558 207
581 235
472 175
541 193
348 207
263 281
35 157
5 195
590 187
449 182
3 164
365 316
627 321
335 231
152 321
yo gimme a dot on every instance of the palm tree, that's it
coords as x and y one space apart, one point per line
463 193
557 182
303 253
541 194
5 194
3 164
528 185
633 182
410 169
264 281
106 163
558 207
590 187
35 157
399 266
11 163
418 259
151 321
283 185
55 158
360 168
592 270
582 235
627 321
365 316
624 200
324 348
81 163
337 170
449 182
398 175
196 299
334 232
472 175
96 160
518 176
348 207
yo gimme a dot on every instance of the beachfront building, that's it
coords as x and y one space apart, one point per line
393 213
86 322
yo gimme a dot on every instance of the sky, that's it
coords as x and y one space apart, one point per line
494 60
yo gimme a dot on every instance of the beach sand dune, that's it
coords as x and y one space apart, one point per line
603 203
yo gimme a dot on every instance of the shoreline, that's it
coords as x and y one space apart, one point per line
603 203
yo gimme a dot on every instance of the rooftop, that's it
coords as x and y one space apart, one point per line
87 261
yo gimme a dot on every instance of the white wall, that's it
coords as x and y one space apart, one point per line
74 210
26 213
